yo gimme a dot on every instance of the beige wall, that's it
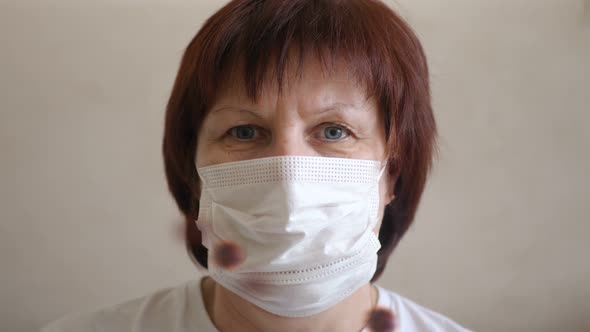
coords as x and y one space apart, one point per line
501 241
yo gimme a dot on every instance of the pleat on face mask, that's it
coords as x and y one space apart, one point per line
302 228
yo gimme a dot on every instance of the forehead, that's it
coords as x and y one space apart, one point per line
309 81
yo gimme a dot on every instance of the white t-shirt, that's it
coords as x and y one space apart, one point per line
181 309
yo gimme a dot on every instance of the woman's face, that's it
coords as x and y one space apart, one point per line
316 115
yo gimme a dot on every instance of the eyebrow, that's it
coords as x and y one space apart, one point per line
237 109
330 108
339 107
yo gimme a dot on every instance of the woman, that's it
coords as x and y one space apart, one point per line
299 135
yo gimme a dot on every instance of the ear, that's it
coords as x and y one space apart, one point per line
393 181
390 198
387 190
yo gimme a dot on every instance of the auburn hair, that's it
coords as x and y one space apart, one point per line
375 43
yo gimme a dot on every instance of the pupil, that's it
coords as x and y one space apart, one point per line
333 132
245 132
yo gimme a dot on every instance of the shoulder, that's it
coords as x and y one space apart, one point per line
411 316
155 312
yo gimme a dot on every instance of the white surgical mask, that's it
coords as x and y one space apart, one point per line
304 224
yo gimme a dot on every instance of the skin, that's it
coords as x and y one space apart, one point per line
318 114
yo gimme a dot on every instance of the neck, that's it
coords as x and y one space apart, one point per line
230 312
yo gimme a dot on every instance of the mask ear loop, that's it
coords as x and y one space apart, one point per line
377 194
383 167
392 197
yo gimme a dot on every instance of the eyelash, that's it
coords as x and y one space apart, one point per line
347 131
229 134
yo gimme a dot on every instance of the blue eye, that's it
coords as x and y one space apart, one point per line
333 133
243 133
